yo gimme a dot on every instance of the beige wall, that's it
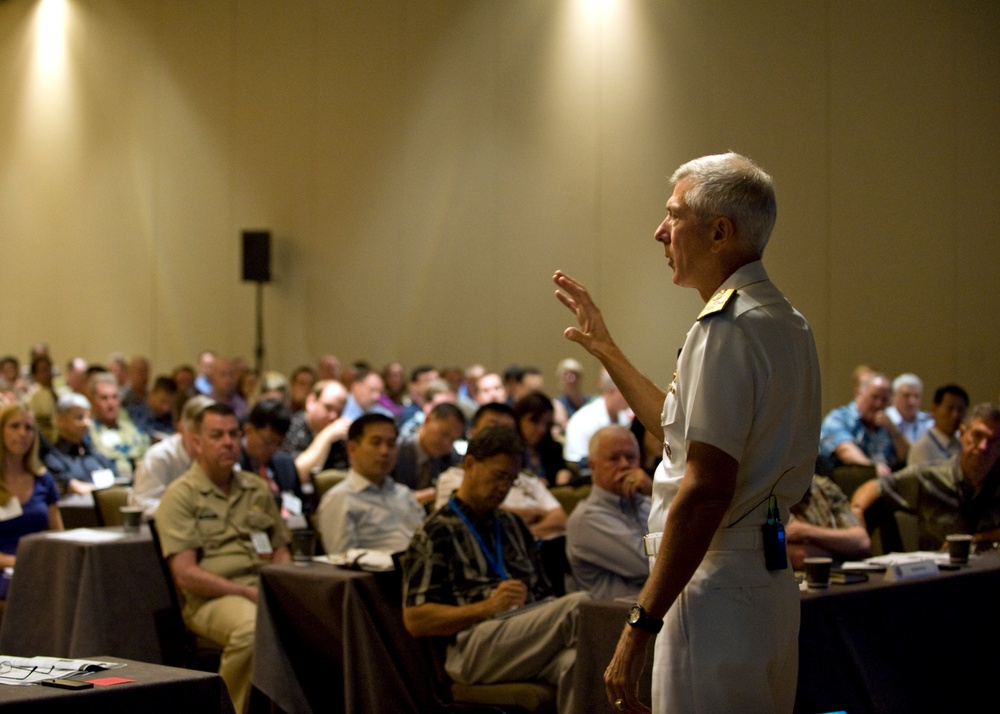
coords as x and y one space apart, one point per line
424 166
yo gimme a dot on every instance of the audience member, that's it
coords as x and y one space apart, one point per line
317 437
271 385
905 412
155 414
136 382
823 525
941 441
426 454
529 498
11 383
466 396
368 509
223 379
394 399
414 401
166 461
859 432
543 454
364 393
218 527
28 495
960 495
118 366
111 430
471 561
299 385
609 408
489 388
521 381
263 434
203 382
438 392
328 368
42 397
184 376
76 376
604 537
72 461
571 396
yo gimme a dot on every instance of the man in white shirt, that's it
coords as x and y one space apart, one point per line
609 408
941 441
905 412
368 509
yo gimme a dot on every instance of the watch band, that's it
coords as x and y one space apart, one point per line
638 618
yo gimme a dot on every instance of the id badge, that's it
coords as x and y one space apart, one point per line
291 503
261 543
103 478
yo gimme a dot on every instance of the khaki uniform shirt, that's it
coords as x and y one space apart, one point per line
194 513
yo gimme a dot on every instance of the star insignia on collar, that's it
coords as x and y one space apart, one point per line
717 303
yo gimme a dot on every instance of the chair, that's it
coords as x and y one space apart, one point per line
107 501
569 496
849 477
508 697
323 481
178 645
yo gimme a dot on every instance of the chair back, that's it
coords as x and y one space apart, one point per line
569 496
323 481
178 646
107 501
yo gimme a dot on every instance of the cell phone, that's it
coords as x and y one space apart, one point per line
66 684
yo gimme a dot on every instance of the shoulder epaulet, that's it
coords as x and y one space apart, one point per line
717 303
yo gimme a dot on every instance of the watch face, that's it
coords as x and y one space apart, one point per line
634 614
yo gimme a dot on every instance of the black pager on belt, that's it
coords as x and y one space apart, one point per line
775 555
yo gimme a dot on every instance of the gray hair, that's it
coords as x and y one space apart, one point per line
907 379
988 412
732 185
69 402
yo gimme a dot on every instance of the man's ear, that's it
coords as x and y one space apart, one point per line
723 232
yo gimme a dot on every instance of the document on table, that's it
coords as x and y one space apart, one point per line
373 560
30 670
87 535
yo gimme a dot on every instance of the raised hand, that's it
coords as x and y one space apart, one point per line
592 334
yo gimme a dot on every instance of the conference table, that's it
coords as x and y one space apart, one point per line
926 645
332 639
83 591
155 689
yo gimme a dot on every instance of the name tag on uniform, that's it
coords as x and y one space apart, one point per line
103 478
261 543
11 510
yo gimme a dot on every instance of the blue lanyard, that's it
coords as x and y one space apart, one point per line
496 561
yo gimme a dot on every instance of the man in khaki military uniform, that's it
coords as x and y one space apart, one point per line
218 527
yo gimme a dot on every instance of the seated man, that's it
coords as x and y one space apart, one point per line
168 460
941 442
218 527
823 525
111 430
472 561
608 408
154 414
528 498
260 453
224 380
905 412
438 392
861 433
316 438
368 509
425 455
604 538
960 495
71 461
364 393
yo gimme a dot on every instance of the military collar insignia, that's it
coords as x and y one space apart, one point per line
717 303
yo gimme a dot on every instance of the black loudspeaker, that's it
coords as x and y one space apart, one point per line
257 256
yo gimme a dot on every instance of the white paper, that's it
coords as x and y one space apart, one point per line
373 560
29 670
103 478
87 535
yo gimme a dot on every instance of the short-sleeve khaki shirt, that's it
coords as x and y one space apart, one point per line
195 514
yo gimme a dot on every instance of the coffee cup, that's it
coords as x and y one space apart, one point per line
303 546
817 571
959 545
131 518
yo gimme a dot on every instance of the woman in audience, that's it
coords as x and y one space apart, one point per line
543 455
28 495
